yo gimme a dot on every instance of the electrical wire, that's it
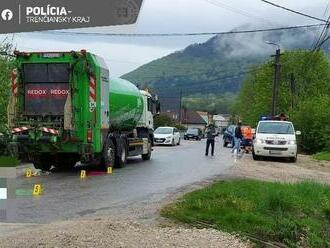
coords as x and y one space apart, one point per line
294 11
236 10
185 34
322 36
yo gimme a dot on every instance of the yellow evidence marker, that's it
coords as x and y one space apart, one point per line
109 171
28 173
83 174
37 190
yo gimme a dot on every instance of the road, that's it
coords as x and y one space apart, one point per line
66 196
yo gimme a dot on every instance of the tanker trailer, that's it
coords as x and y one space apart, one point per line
65 108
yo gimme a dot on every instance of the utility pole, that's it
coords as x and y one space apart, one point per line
276 81
180 106
292 89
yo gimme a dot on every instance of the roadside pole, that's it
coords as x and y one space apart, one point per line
277 66
180 107
292 89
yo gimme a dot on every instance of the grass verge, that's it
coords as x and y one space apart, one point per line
8 161
322 156
297 215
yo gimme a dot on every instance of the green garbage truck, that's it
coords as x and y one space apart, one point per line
64 108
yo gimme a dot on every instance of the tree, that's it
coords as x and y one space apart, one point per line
162 120
6 65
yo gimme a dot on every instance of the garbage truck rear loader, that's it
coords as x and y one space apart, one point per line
65 108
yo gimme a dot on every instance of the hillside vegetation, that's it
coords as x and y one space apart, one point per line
216 67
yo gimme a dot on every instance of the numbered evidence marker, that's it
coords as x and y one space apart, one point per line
37 190
109 171
28 173
83 174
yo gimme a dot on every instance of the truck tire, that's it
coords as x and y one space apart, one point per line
148 155
179 142
108 154
42 162
121 159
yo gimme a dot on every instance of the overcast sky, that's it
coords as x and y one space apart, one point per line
124 54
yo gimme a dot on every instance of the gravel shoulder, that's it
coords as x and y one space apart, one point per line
118 233
278 170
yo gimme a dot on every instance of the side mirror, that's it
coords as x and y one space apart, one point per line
298 133
253 131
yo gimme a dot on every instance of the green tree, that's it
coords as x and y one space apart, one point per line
163 120
6 65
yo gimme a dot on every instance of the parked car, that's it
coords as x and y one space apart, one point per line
167 136
228 136
275 139
193 133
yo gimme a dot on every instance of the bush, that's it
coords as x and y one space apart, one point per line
311 117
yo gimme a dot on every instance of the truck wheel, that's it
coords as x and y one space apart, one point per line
122 158
109 154
224 144
148 155
179 142
42 162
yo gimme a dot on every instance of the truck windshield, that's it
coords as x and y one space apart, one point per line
164 130
46 88
275 128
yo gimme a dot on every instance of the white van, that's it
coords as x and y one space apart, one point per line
275 139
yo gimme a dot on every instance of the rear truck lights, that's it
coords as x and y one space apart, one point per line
89 135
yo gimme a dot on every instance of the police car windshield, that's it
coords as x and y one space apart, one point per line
275 128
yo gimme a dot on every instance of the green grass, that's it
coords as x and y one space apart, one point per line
8 161
293 214
322 156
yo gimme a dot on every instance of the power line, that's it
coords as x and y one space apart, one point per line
319 31
294 11
236 10
185 34
322 36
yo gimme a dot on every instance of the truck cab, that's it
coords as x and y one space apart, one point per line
275 139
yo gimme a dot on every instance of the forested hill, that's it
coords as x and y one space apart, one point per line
219 65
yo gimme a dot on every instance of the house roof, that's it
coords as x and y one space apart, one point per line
192 117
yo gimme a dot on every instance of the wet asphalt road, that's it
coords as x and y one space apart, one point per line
66 196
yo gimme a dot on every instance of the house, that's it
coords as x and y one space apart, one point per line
204 115
191 119
221 121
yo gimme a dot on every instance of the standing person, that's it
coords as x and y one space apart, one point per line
237 138
210 135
